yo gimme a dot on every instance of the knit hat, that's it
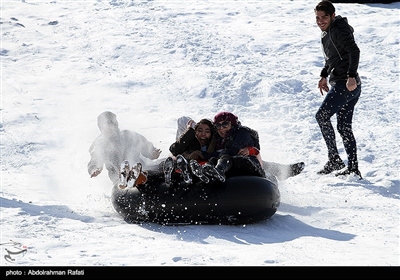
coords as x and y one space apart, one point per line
226 116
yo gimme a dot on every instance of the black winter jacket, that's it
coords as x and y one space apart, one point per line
238 138
188 143
341 52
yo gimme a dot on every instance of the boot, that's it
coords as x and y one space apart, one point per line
183 166
124 174
169 166
351 169
142 178
335 163
350 172
295 169
197 170
218 172
138 176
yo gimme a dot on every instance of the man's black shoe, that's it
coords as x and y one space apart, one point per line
332 165
349 172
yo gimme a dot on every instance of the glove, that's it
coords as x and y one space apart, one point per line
95 172
156 153
191 124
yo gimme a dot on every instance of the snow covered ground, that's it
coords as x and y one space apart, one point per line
150 62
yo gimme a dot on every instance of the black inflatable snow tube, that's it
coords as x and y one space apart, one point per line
239 200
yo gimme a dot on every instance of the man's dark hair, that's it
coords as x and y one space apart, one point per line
325 6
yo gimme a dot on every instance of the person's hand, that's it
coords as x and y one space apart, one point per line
196 155
191 124
323 85
156 153
351 84
244 152
96 172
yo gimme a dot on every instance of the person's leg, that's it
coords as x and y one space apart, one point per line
155 177
345 130
344 126
328 108
246 165
213 161
275 169
333 103
283 171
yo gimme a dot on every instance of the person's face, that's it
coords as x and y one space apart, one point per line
223 128
323 20
203 133
109 128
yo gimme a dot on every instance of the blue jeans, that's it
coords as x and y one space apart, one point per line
340 101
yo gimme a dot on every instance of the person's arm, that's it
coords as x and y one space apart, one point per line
241 140
251 151
345 41
95 165
182 125
354 58
150 151
183 143
323 80
138 141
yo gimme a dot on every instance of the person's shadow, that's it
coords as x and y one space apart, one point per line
277 229
57 211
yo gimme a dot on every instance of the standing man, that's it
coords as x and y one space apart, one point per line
341 63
